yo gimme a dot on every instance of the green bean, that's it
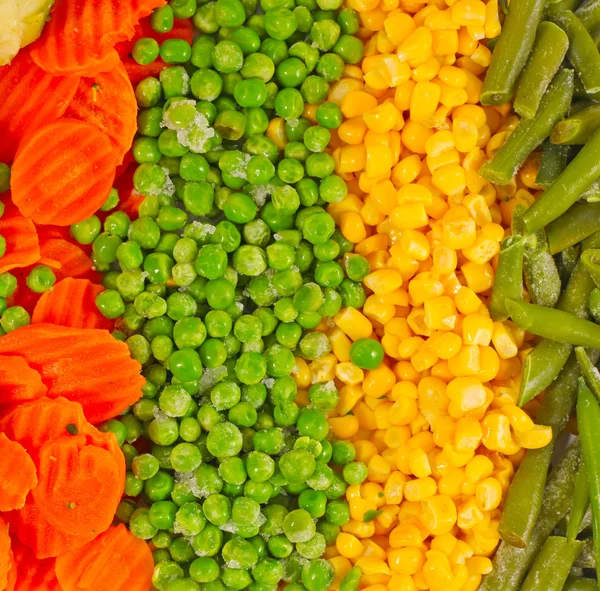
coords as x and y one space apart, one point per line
552 565
529 133
592 193
589 15
576 224
581 501
352 579
565 263
586 556
511 563
580 173
554 161
590 373
553 324
591 260
549 50
577 129
583 53
508 283
588 421
580 584
512 50
563 5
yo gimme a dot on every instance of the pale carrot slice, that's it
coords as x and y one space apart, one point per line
18 474
114 561
107 101
22 245
63 173
30 98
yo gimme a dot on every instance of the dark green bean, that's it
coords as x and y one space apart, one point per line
565 263
554 161
577 129
511 563
580 584
530 133
589 14
573 226
580 173
588 421
508 282
554 324
549 50
512 50
583 53
586 557
552 565
581 501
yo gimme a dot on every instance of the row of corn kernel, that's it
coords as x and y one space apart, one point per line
437 424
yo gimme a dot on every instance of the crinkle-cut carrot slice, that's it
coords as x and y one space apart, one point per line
182 29
115 561
22 244
18 383
71 258
71 302
33 573
6 556
138 72
81 35
88 366
79 485
130 199
35 423
107 101
63 172
18 474
30 98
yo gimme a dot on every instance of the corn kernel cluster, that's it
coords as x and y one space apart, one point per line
437 423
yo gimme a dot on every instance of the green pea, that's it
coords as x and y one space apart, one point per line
289 103
40 279
86 231
175 51
145 50
161 19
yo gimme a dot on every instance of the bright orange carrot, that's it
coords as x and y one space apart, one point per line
107 101
18 383
30 98
22 245
80 35
6 557
63 172
114 561
18 474
137 72
33 573
71 302
71 258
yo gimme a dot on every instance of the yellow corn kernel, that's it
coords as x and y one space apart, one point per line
535 438
382 118
379 162
406 561
519 419
344 427
348 545
504 341
357 102
276 132
420 489
352 227
417 46
467 301
497 435
467 393
458 228
410 216
340 344
440 313
403 411
419 463
488 494
479 565
468 434
477 330
466 363
302 376
383 282
451 483
444 42
439 514
350 395
348 373
424 100
415 245
440 142
406 171
453 76
479 277
478 468
359 529
371 565
469 514
352 131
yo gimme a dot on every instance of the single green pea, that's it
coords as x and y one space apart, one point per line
175 51
40 279
86 231
145 50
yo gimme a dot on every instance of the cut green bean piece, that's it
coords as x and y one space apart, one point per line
581 501
589 15
552 565
573 226
553 324
588 421
580 584
512 50
511 563
577 129
352 579
549 50
580 173
592 193
508 283
591 260
589 371
530 133
554 161
583 53
563 5
586 556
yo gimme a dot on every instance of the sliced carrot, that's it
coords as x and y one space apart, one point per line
88 366
63 173
71 302
18 474
18 383
130 199
30 98
6 556
107 101
71 258
79 487
138 72
114 561
33 573
22 245
80 35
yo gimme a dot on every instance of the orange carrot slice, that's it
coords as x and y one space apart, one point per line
138 72
71 302
107 101
22 245
71 259
79 486
6 556
63 173
18 383
88 366
33 573
17 474
30 98
114 561
80 35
